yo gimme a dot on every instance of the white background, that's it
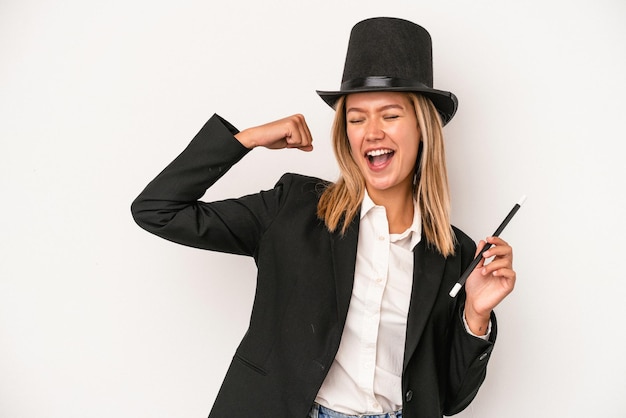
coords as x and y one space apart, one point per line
101 319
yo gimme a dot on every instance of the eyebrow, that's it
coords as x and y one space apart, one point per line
380 109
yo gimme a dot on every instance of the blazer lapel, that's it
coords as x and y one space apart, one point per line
344 261
427 274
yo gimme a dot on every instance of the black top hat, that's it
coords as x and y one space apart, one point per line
389 54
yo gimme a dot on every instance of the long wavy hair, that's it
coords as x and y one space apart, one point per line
341 201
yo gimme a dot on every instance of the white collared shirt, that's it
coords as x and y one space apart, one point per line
367 370
366 375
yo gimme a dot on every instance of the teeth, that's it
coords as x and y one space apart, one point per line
377 152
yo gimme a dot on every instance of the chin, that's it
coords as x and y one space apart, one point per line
380 185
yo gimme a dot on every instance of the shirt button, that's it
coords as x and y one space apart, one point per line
409 395
381 238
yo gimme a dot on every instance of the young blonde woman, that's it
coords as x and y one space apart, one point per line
352 316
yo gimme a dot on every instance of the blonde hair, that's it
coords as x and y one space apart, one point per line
340 201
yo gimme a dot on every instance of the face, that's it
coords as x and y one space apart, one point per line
384 138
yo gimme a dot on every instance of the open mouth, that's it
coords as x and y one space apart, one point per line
380 157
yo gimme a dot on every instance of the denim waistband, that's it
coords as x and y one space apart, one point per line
320 411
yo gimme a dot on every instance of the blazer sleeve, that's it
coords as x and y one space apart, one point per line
468 365
469 354
169 206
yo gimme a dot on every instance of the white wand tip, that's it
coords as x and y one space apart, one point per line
455 289
522 200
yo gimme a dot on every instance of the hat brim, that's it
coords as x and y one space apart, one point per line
445 102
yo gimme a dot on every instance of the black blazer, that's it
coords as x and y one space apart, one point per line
304 285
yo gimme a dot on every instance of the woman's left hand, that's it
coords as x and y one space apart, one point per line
489 283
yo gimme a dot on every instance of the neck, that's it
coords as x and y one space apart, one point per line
398 205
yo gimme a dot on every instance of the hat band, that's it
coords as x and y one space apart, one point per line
378 82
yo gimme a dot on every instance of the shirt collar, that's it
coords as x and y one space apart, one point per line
415 230
367 205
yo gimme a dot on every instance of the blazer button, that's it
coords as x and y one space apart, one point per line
482 356
408 396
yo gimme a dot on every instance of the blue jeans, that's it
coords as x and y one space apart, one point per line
319 411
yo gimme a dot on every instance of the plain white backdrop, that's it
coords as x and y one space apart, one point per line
101 319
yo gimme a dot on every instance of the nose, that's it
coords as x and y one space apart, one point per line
374 130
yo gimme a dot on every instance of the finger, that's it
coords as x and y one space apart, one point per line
499 251
479 247
495 266
292 134
506 278
498 263
296 136
305 144
296 144
499 248
307 132
507 274
306 140
497 241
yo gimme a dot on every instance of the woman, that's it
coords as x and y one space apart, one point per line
352 315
